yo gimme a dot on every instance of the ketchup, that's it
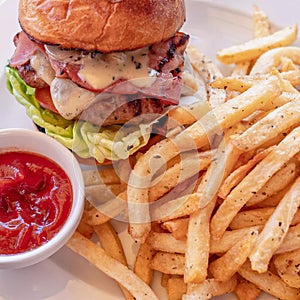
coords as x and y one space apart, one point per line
35 200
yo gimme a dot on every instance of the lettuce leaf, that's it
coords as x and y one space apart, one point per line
83 138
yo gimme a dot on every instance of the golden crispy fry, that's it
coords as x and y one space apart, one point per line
256 47
269 282
261 25
112 245
234 83
230 238
287 64
251 217
261 28
254 181
286 175
237 175
113 268
272 59
269 127
227 265
177 227
222 164
100 176
110 241
107 211
142 263
210 288
175 175
177 208
275 229
176 288
197 249
287 266
101 193
187 115
161 241
169 263
246 290
291 241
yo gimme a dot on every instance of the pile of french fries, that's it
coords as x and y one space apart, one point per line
214 206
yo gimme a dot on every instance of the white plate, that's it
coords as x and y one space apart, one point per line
66 275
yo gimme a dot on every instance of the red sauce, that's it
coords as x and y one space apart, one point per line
35 200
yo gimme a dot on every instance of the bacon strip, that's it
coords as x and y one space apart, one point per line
25 48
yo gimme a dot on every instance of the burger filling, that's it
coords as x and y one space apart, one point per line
64 89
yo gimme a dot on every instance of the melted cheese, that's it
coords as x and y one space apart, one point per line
104 69
101 70
42 67
70 99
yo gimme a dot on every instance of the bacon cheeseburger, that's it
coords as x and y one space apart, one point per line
98 75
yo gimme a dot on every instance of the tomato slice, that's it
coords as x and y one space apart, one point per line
43 95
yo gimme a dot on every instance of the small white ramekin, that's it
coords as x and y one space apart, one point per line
39 143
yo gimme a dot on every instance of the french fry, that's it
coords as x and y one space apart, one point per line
187 115
275 229
237 175
111 267
228 264
256 47
112 245
210 288
246 290
110 241
222 164
169 263
107 211
261 25
84 228
269 282
176 288
254 181
287 266
177 227
251 217
177 208
271 59
287 64
286 175
100 176
142 263
230 238
180 172
291 241
165 242
269 127
197 249
261 28
101 193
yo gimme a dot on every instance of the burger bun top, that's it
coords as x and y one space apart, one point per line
101 25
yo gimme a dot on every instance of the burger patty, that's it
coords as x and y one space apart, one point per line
122 109
29 75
